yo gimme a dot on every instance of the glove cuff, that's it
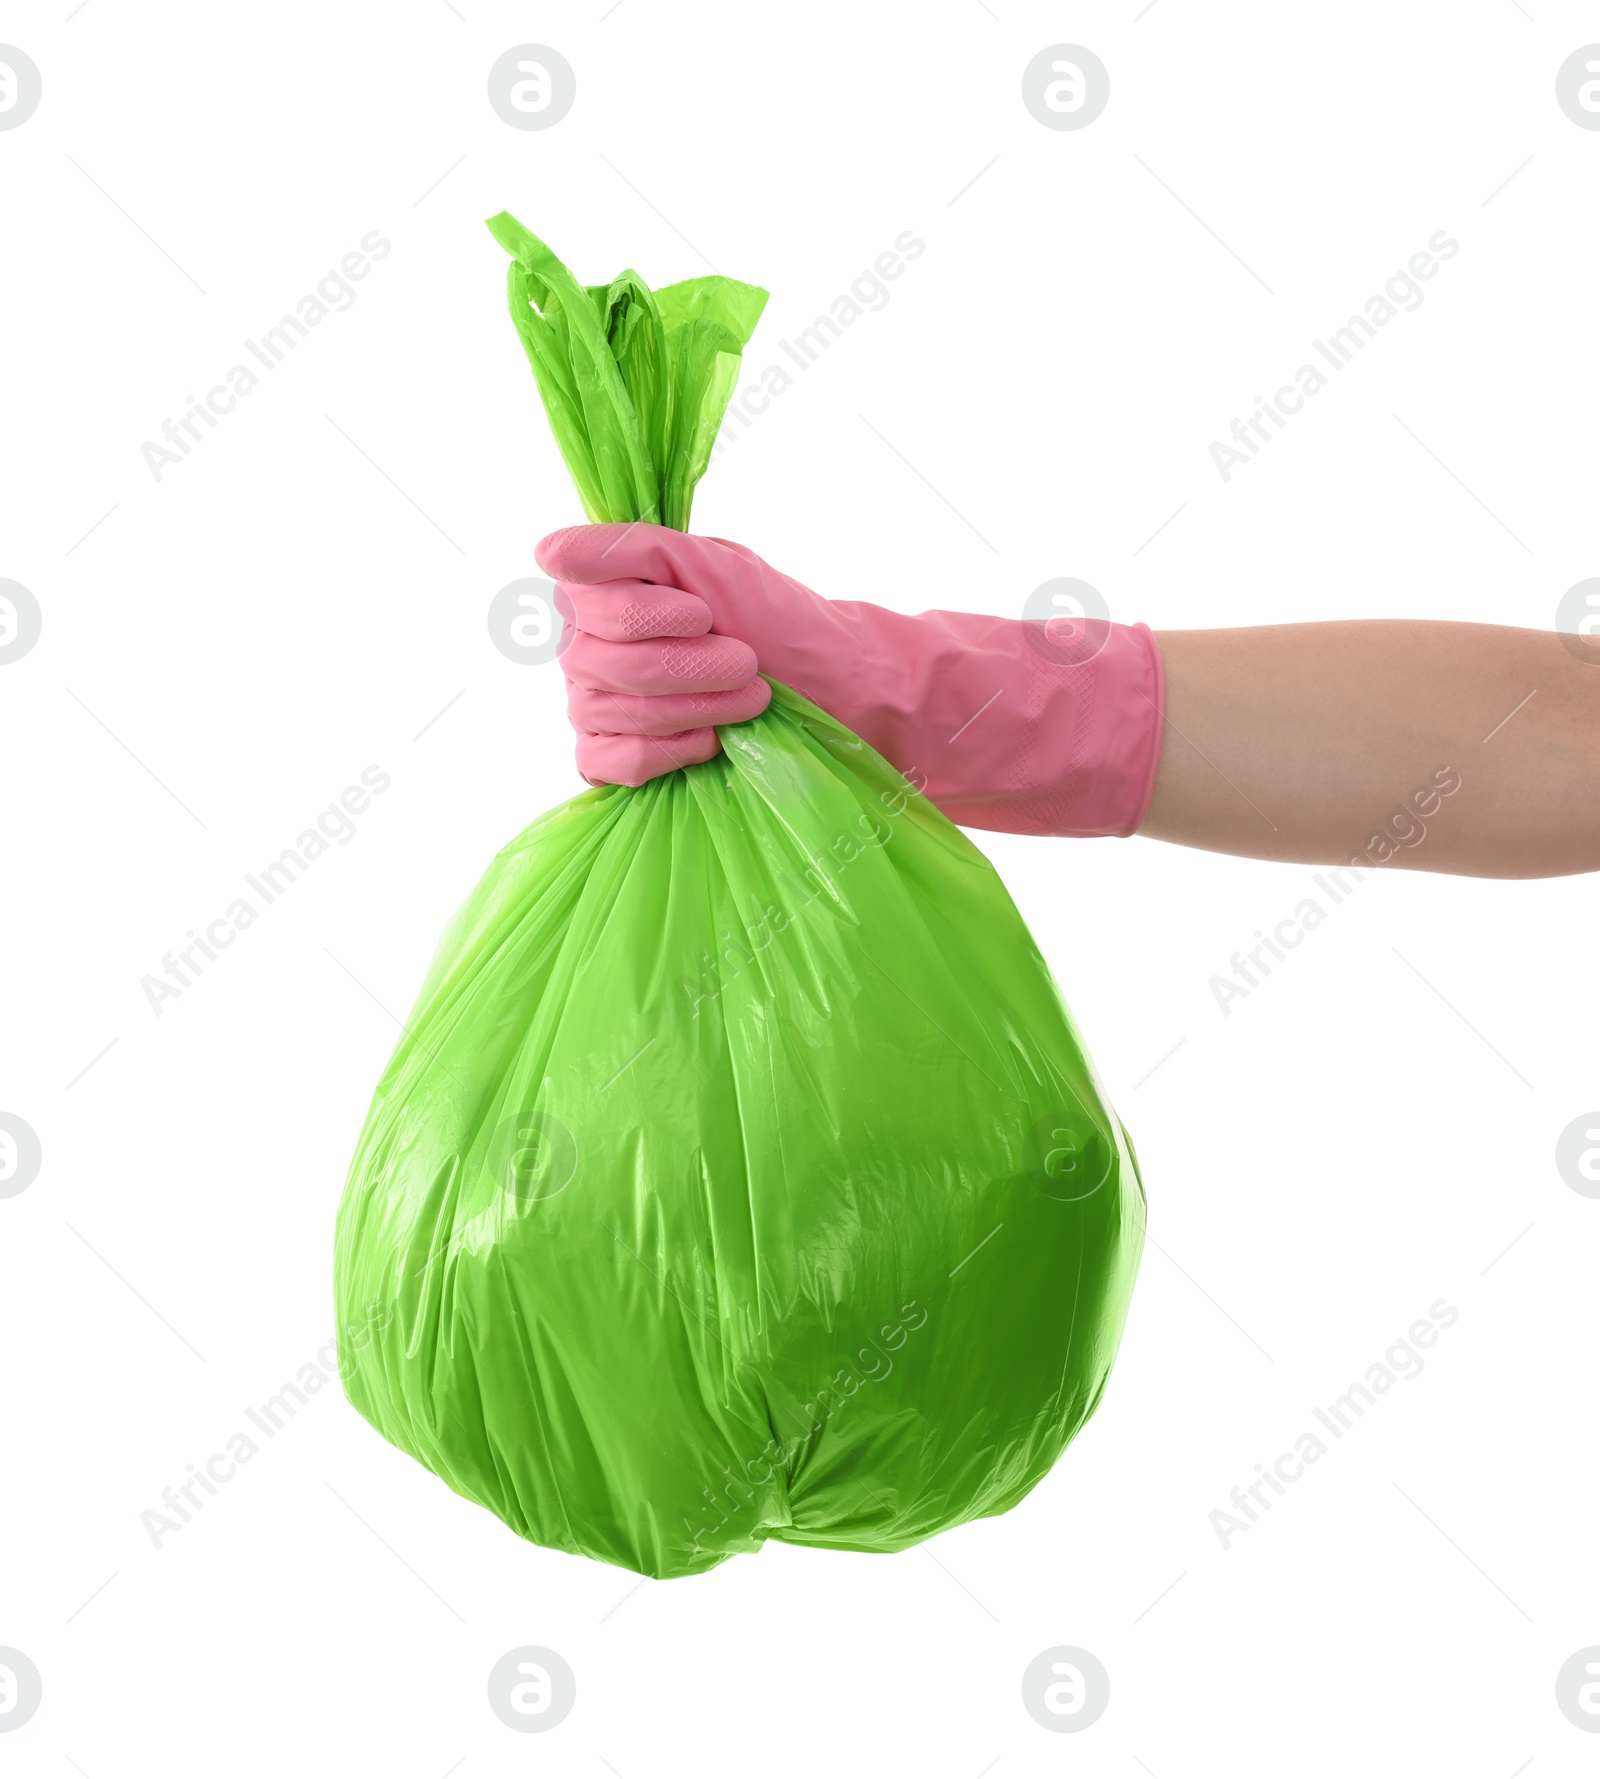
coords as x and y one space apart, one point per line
1082 760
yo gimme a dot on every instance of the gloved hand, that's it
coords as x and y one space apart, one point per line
1023 726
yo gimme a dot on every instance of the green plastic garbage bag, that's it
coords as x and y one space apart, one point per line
740 1173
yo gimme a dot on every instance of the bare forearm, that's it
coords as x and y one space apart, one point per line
1465 748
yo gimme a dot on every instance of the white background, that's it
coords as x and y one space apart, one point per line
228 647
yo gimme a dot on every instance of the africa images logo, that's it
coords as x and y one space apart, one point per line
1401 294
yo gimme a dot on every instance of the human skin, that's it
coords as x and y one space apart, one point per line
1300 742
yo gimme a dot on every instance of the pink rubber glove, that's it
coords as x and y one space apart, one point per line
1022 726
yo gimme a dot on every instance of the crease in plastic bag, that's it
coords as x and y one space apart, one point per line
740 1173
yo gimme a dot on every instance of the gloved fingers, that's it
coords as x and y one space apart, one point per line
623 713
587 554
629 610
673 664
635 759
